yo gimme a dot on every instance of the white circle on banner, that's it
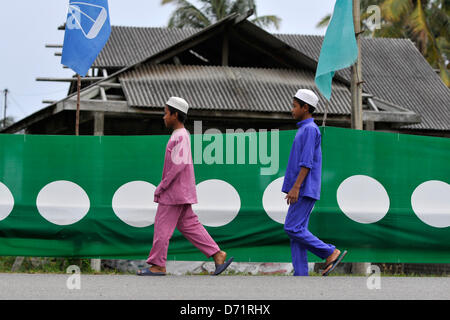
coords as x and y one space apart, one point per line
6 201
363 199
133 204
218 203
62 202
430 201
274 201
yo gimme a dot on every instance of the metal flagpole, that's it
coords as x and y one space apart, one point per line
77 121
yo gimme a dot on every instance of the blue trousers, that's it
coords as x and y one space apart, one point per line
296 227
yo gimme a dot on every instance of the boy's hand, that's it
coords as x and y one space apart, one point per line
158 191
292 196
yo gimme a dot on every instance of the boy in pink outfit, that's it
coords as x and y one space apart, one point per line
175 195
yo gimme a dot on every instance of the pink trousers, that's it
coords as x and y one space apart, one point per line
186 221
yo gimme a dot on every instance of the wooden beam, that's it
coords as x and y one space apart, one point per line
57 46
122 107
89 94
83 79
99 123
110 85
396 117
181 47
99 105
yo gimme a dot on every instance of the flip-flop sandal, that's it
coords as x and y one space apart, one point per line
221 267
147 272
334 263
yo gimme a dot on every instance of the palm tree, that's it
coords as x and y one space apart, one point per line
187 15
425 22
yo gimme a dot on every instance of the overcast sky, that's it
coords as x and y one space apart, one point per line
27 25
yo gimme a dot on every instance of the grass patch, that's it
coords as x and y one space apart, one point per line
60 265
52 265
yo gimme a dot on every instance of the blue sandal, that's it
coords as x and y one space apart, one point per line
147 272
221 267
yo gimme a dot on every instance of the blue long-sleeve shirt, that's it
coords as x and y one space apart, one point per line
306 152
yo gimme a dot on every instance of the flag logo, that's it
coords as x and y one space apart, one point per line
75 20
87 31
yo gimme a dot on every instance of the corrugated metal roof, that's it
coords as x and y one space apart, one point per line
129 45
225 88
393 70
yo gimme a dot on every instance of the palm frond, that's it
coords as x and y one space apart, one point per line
395 10
324 22
444 74
243 6
389 30
419 26
267 21
176 2
219 8
443 44
188 15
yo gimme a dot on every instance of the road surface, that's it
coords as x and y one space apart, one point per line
130 287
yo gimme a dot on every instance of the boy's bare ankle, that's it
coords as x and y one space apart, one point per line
157 269
219 257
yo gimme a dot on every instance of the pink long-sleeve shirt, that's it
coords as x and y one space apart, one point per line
178 179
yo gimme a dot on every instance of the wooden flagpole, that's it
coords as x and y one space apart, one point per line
77 121
357 111
324 121
356 79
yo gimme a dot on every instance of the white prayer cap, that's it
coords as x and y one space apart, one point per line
179 104
307 96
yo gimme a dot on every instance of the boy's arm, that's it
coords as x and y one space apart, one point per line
177 165
292 196
309 137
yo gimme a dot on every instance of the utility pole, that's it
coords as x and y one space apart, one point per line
5 107
356 82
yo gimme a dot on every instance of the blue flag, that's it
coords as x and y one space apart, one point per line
87 31
339 48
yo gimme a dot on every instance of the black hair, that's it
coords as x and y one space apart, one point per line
311 109
181 115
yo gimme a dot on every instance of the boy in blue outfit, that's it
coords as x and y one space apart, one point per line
302 185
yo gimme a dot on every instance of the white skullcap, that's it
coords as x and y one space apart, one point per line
307 96
179 104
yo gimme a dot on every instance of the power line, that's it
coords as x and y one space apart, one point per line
39 94
17 104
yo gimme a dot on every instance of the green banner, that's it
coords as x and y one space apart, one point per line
385 197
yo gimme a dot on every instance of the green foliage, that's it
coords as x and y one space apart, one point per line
425 22
187 15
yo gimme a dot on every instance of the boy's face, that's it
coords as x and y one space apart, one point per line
169 119
298 112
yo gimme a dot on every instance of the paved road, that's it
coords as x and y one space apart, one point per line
54 286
